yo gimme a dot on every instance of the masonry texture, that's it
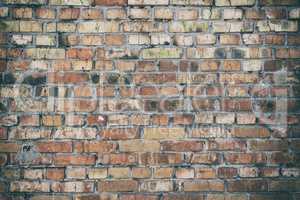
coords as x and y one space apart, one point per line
149 99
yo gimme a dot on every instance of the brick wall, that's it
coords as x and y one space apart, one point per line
149 99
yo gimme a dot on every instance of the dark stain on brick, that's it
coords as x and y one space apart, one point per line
267 106
113 78
3 107
170 105
31 80
8 78
151 105
53 92
3 26
127 79
95 78
128 57
220 53
194 66
237 53
272 65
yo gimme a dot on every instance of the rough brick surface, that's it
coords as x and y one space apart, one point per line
149 99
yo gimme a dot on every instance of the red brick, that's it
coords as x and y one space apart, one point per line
49 146
94 120
91 13
111 2
251 132
29 120
230 39
118 186
3 133
69 13
82 54
68 77
205 158
274 39
72 186
114 40
118 159
205 173
160 158
192 186
99 146
244 158
187 196
227 145
182 146
55 174
69 159
247 186
138 196
120 133
9 147
160 119
227 172
183 119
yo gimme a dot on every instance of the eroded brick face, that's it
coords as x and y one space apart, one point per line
149 99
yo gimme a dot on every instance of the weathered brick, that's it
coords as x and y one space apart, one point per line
138 196
234 2
69 159
141 172
184 173
163 13
45 147
55 174
22 13
238 26
33 174
71 3
182 146
76 133
294 13
277 26
156 186
26 186
156 53
149 158
111 2
119 172
76 173
231 13
97 173
119 134
190 186
192 2
227 172
139 146
245 158
118 186
251 132
139 13
164 133
97 27
248 185
116 13
163 172
148 2
72 186
188 26
109 196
